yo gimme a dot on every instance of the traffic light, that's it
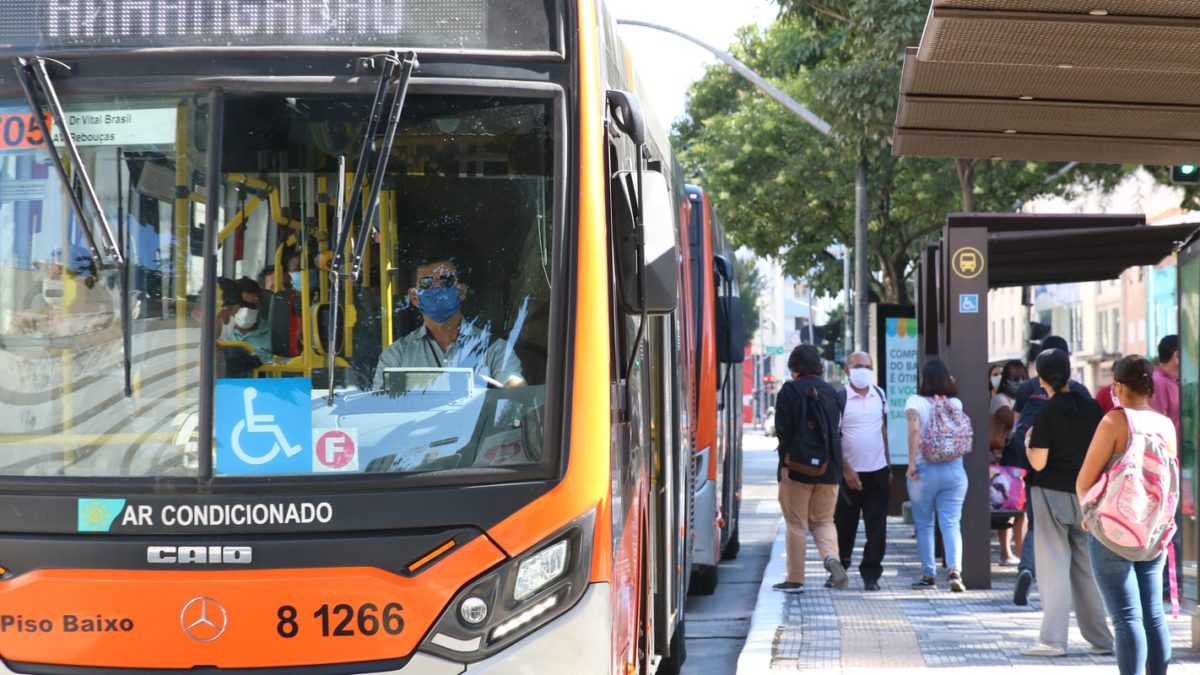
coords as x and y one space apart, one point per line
1185 173
769 381
1037 333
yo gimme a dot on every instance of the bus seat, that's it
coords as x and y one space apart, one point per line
284 318
240 359
320 316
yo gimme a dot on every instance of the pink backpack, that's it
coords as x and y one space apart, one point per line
947 435
1131 509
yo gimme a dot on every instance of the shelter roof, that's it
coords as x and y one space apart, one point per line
1110 81
1032 249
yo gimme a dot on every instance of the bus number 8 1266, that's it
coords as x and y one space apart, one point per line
342 619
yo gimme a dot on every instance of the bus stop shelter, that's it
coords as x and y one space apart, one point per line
979 252
1050 80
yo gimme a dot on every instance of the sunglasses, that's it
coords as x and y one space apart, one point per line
448 281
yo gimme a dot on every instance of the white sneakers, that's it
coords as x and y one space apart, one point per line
1042 649
837 574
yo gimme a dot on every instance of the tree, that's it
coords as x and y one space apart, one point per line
787 191
750 289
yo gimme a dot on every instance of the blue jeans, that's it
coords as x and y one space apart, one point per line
939 488
1132 594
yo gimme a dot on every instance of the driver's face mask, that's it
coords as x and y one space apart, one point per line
52 292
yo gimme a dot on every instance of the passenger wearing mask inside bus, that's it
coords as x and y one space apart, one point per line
446 339
240 322
266 279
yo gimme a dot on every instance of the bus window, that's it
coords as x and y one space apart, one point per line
62 320
442 344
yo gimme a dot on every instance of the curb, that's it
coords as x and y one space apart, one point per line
768 609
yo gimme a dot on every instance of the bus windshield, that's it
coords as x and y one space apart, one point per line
440 347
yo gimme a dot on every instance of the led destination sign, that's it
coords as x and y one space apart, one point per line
87 24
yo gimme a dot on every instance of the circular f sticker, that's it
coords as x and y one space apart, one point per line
335 450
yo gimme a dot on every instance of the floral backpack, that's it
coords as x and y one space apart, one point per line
1131 509
948 434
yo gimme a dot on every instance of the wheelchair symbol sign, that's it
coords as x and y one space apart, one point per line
968 303
264 426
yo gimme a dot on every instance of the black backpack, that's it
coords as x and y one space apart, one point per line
811 445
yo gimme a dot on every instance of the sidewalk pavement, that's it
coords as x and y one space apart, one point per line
901 630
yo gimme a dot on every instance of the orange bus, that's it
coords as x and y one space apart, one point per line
337 337
715 403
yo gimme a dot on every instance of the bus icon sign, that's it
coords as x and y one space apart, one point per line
335 450
967 262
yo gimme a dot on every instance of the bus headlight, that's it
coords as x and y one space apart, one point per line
517 597
540 569
473 611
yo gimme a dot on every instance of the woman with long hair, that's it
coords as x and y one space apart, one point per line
1057 445
935 488
1132 591
994 375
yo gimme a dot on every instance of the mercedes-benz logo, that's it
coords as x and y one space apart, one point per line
203 619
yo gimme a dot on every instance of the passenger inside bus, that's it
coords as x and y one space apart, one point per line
445 339
266 279
242 323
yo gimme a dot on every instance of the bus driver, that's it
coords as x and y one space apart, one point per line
446 339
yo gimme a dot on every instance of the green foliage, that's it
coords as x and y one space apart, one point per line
786 191
750 288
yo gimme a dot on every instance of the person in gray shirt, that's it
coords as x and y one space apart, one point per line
446 339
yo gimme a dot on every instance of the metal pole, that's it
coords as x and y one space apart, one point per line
745 71
861 282
847 321
811 339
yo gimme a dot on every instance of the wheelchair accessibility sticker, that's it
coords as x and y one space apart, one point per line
264 426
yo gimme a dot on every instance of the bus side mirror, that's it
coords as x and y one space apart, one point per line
627 114
647 284
731 332
724 268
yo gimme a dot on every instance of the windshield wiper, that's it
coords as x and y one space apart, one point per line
29 70
385 153
345 217
335 284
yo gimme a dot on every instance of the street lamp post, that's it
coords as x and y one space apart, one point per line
860 187
745 71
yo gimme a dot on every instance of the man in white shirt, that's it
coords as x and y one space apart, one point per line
866 472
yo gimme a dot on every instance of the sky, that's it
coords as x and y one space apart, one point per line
667 65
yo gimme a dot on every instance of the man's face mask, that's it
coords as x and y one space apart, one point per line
245 318
861 377
438 303
296 280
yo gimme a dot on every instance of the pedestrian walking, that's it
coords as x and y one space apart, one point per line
939 434
1132 458
1028 403
1056 446
810 467
866 473
1166 401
